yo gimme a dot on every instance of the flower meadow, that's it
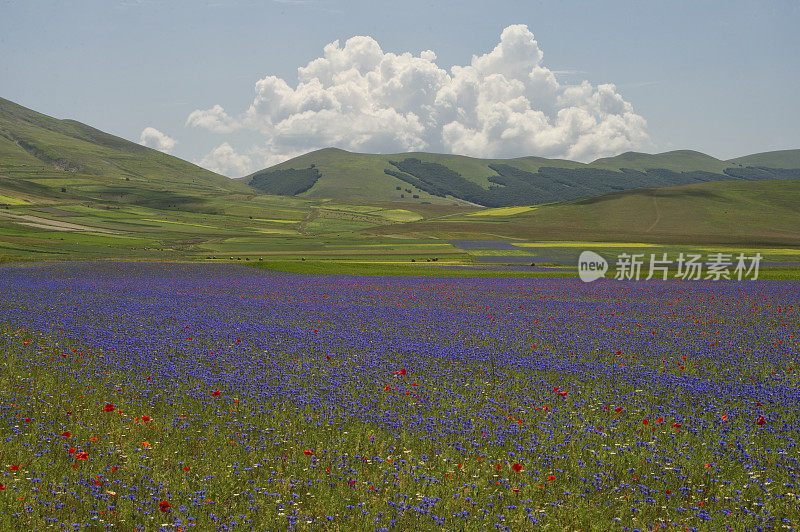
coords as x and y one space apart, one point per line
140 396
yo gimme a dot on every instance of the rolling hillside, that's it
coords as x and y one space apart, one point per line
42 157
736 213
772 159
459 180
70 190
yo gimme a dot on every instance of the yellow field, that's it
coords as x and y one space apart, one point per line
8 200
275 231
177 223
752 251
599 245
399 215
503 211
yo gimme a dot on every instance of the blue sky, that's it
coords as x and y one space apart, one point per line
719 77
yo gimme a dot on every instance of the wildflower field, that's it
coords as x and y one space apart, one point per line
138 396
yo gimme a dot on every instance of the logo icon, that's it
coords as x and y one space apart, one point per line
591 266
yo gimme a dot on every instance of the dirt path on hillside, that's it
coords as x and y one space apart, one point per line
55 225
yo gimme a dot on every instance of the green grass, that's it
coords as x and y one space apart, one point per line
756 214
771 159
679 161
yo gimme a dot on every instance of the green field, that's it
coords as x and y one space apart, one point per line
740 213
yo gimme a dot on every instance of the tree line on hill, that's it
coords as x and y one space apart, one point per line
513 186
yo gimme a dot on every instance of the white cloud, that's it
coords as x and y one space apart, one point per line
214 119
505 103
224 160
153 138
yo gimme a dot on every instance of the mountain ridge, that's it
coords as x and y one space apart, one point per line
465 180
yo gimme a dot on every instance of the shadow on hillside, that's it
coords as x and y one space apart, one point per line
156 199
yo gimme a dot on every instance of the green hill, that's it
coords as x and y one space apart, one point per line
738 212
459 180
771 159
361 176
43 157
678 161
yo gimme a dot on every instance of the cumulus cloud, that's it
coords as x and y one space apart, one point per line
214 119
153 138
504 103
224 160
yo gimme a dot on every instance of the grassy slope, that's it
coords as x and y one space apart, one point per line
65 153
361 175
678 161
771 159
734 212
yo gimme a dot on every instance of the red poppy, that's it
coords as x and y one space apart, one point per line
645 421
113 469
186 468
618 409
109 407
145 418
707 466
498 467
516 467
761 420
72 450
215 393
551 477
724 417
163 506
2 486
562 394
676 425
660 420
65 434
27 420
14 467
308 452
82 456
403 371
